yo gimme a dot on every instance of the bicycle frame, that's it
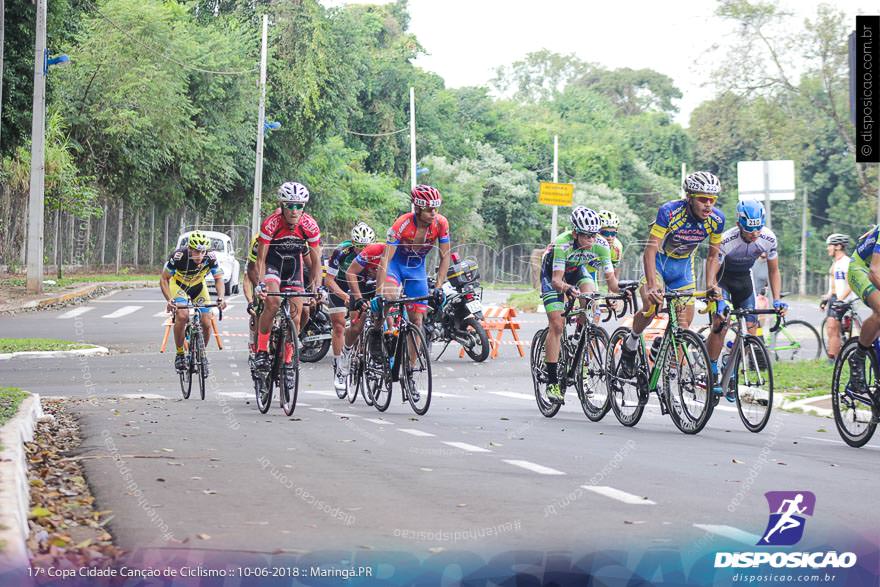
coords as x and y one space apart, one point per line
667 339
739 342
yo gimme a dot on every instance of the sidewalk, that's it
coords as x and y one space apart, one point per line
16 299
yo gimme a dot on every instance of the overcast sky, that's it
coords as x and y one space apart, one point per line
467 39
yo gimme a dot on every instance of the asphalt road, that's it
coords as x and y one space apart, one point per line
483 470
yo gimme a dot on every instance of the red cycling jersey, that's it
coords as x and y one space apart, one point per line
403 233
286 242
369 259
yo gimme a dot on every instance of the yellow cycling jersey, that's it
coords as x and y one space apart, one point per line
187 272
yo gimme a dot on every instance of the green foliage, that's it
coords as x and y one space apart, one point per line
10 399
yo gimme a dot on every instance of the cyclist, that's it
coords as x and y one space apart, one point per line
337 283
608 230
741 246
864 278
680 227
361 278
569 266
188 267
409 241
838 290
285 238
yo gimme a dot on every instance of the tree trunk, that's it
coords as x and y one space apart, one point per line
152 233
136 221
71 240
2 40
104 233
119 235
57 230
87 245
165 250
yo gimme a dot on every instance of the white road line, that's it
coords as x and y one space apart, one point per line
319 392
534 467
725 408
378 421
326 410
162 314
466 446
233 365
450 369
415 432
618 495
730 532
444 394
303 405
123 311
514 395
75 312
837 442
236 373
154 301
463 379
143 396
237 394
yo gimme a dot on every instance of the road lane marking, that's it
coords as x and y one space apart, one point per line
618 495
319 392
236 394
162 314
730 532
466 446
534 467
444 394
514 395
325 410
143 396
378 421
837 442
123 311
75 312
415 432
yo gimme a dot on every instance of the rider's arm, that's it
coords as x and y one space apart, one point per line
165 284
351 276
248 288
332 273
611 280
608 268
775 278
315 264
712 266
443 249
874 270
382 272
262 252
558 282
649 260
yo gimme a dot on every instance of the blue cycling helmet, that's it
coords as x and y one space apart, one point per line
750 215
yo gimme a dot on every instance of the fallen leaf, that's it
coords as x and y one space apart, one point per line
160 479
203 537
503 418
633 522
167 450
461 505
738 462
436 549
821 430
39 512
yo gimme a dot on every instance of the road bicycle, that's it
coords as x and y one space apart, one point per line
581 362
677 370
850 323
283 371
856 411
794 340
746 370
354 383
194 342
395 352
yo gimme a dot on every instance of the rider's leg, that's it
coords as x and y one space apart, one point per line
337 323
267 316
180 319
859 281
832 335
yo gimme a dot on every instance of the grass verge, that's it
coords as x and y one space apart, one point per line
16 345
10 399
12 282
527 301
807 378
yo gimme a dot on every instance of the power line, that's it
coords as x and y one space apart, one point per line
380 134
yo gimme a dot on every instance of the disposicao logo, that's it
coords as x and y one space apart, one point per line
787 510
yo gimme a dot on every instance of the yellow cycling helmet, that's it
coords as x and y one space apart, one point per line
198 241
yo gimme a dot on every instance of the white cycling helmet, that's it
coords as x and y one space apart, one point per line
837 239
585 220
702 182
362 234
290 191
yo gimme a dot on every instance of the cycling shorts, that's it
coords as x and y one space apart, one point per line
410 273
553 300
857 277
197 293
739 291
289 277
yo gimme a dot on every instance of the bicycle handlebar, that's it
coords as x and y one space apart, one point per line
189 305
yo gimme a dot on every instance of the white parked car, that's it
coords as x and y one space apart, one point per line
221 244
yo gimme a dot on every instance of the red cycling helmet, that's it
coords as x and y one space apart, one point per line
425 196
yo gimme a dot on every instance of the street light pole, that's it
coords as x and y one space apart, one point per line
261 131
555 221
38 159
412 138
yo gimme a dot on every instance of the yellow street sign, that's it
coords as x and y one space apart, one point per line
556 194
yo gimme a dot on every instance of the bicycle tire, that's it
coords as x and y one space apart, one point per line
795 332
624 394
693 392
288 372
756 359
844 402
199 361
596 346
314 351
377 377
480 333
416 390
539 375
186 378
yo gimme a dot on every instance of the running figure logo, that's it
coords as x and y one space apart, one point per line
787 510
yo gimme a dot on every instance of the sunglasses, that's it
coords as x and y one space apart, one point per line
293 206
705 199
588 234
607 233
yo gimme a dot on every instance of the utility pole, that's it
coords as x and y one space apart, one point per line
2 41
261 121
38 159
412 138
802 282
555 180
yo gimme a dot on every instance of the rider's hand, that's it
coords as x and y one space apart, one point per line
251 309
359 304
170 307
260 290
572 292
654 295
221 304
781 306
439 296
713 292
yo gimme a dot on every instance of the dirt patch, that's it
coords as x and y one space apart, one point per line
66 530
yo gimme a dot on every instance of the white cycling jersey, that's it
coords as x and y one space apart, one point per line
738 256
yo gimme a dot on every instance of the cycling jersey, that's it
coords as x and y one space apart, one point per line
868 245
402 234
681 232
616 252
187 272
252 255
579 265
284 260
340 259
369 259
839 285
738 256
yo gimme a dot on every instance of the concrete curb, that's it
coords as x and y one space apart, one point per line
82 293
14 485
94 351
804 404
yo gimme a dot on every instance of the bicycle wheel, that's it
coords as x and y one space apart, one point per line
687 380
624 393
480 351
796 340
592 390
288 371
197 350
754 384
415 371
377 377
855 411
823 336
313 349
539 374
186 378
